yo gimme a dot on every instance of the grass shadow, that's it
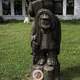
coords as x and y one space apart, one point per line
10 21
75 22
71 73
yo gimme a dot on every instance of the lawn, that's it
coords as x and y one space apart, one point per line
15 58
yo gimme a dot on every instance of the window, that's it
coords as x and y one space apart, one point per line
70 7
18 7
6 7
26 6
58 7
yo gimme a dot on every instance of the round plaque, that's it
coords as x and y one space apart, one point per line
37 75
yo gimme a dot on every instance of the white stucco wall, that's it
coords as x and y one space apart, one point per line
12 7
17 17
0 7
77 9
64 7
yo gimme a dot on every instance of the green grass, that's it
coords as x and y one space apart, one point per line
15 58
70 51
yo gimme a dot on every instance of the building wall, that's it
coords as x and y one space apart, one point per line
0 7
64 16
76 14
77 9
13 16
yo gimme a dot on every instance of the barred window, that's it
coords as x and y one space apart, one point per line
6 7
18 7
70 7
58 7
26 6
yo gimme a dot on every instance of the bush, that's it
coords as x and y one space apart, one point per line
1 19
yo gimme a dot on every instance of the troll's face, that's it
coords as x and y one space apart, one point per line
44 21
